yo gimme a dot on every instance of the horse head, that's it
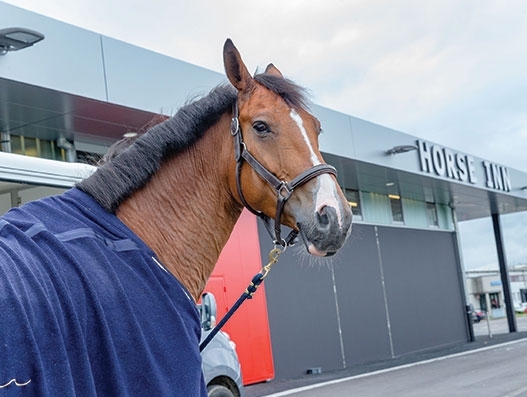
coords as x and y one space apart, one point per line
280 171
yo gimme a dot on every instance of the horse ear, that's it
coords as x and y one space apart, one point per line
271 69
235 69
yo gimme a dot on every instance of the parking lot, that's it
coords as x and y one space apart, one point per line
498 326
497 370
494 368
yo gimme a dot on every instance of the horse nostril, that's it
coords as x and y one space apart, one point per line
322 217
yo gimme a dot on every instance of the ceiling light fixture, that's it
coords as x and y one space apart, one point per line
401 149
14 39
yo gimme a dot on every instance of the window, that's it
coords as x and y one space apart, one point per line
353 198
47 149
36 147
31 146
397 208
16 144
431 214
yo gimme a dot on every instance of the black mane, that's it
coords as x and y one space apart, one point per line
132 163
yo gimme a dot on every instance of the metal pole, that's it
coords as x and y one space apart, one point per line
504 272
488 323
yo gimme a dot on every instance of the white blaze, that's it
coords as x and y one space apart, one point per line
327 190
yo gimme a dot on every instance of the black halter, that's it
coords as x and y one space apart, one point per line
284 189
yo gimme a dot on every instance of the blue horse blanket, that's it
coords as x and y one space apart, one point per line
87 309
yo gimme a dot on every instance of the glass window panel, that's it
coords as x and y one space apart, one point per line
397 209
353 198
30 146
431 213
16 144
46 150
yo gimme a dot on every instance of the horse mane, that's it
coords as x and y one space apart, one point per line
293 94
131 162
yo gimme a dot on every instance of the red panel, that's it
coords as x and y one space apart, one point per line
239 261
216 285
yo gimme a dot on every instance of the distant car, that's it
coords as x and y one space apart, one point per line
520 307
476 315
220 365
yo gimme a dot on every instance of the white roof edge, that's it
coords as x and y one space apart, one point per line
33 170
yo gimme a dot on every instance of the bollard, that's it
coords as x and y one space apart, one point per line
488 323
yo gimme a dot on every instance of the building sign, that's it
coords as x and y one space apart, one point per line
444 162
497 176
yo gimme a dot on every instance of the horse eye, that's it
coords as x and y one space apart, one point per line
260 127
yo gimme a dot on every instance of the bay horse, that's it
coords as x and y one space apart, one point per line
99 284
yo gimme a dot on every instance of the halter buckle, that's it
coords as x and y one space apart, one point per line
235 126
284 190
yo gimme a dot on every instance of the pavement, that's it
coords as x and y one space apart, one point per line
482 341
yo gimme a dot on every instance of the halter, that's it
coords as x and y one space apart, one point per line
283 189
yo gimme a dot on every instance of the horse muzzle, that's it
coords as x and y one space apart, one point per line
325 232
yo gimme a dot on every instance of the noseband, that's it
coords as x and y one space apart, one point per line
283 189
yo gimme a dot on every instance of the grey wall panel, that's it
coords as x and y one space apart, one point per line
302 314
361 299
423 288
372 140
69 59
425 307
150 81
336 137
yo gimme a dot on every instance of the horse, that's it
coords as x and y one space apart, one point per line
99 284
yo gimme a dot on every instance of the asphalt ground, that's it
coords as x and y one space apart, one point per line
482 341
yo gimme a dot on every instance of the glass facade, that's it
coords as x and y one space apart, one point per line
387 206
36 147
44 148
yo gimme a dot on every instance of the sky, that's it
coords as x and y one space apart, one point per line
448 71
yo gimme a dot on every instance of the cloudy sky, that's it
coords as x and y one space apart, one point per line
448 71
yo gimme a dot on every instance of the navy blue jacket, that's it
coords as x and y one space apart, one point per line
87 309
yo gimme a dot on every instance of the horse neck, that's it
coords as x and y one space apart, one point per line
186 212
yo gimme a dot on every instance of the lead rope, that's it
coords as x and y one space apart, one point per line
247 294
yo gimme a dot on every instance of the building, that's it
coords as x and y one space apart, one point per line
70 96
485 292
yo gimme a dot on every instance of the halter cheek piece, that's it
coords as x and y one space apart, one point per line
283 189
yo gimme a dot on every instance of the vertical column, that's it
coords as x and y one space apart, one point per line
504 272
462 275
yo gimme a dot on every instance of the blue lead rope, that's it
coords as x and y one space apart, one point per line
247 294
